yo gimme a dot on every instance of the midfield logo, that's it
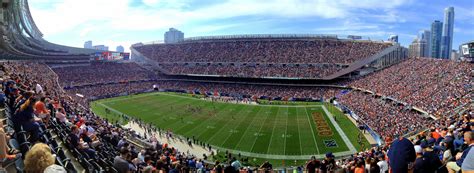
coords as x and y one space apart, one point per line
330 143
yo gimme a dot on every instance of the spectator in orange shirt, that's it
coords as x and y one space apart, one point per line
435 134
360 166
41 111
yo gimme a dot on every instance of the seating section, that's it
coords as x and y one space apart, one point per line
387 118
261 57
434 85
254 71
102 72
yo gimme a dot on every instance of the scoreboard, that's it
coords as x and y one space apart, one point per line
471 49
111 56
467 51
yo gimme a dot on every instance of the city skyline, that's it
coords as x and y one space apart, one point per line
124 22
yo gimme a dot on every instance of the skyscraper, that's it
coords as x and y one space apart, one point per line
88 44
173 36
418 48
426 36
436 31
447 37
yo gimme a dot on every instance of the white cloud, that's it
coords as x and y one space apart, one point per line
85 17
116 14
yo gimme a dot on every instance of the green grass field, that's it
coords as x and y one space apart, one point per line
277 132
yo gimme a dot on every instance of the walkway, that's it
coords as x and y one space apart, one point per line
181 146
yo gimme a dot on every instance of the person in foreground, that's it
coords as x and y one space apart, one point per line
40 160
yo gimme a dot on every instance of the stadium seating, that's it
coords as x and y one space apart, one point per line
102 72
434 85
446 83
291 58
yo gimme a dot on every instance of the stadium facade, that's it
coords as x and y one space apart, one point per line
23 40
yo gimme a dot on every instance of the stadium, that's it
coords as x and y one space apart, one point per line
229 103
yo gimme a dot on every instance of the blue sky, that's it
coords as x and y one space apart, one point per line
124 22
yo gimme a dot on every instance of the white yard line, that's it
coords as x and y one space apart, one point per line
299 134
240 122
214 135
273 131
256 139
286 130
245 132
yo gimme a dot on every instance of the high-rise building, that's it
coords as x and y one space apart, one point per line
426 36
88 44
393 38
418 48
436 31
447 37
120 49
454 55
173 36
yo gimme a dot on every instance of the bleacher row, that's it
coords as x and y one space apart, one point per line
261 58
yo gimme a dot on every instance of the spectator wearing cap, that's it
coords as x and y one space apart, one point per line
328 164
431 159
120 162
420 163
401 155
456 166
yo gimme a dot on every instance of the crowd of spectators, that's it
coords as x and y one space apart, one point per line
266 53
384 117
102 72
254 71
434 85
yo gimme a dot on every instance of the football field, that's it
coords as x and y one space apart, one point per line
283 132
